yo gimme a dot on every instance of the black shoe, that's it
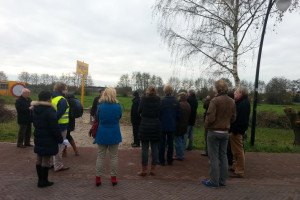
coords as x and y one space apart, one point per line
28 145
21 146
170 163
135 145
162 164
236 176
204 154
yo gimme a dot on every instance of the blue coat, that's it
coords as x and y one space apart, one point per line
47 134
170 113
108 132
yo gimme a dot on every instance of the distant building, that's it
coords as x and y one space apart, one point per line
11 88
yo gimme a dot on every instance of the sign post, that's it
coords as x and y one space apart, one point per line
82 68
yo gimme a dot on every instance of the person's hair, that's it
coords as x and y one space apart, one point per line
151 90
221 86
109 96
168 90
192 91
44 96
182 96
243 90
59 87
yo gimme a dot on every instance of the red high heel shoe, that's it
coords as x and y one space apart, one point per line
114 180
98 181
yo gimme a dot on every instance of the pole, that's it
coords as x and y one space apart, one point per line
271 2
82 89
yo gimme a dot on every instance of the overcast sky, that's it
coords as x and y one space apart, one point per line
115 37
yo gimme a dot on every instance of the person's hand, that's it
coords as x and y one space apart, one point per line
31 107
65 142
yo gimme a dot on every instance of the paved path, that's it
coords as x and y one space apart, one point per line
268 176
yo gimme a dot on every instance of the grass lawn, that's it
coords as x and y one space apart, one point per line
266 140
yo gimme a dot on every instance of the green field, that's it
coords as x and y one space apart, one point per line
267 139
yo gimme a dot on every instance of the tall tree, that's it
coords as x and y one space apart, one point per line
276 91
3 76
215 30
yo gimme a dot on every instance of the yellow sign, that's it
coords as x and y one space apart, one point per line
82 68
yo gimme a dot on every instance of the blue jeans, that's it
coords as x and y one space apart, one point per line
166 137
217 148
179 147
189 135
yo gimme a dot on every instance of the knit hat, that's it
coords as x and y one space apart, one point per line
135 93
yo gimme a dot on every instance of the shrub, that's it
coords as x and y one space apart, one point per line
5 115
272 120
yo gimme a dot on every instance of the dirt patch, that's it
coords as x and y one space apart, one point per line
6 113
82 127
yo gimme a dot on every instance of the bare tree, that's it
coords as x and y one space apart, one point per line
215 30
89 81
53 79
24 77
3 76
34 79
187 84
45 79
175 83
124 81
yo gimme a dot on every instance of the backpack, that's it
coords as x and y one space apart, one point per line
76 109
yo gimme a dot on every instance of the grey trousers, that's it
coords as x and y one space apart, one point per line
44 161
113 154
57 159
217 148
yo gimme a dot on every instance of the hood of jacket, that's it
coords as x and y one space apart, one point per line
56 94
41 106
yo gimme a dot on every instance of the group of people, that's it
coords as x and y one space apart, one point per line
157 123
52 125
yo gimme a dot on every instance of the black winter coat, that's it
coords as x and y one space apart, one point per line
94 106
24 114
241 123
47 134
205 106
149 110
194 105
134 114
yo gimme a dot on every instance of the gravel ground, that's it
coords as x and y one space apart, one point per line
82 139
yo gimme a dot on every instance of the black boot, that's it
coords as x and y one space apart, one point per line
45 181
39 173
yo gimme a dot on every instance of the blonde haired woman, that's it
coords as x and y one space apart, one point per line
108 134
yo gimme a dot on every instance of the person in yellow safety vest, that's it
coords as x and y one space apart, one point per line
62 111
